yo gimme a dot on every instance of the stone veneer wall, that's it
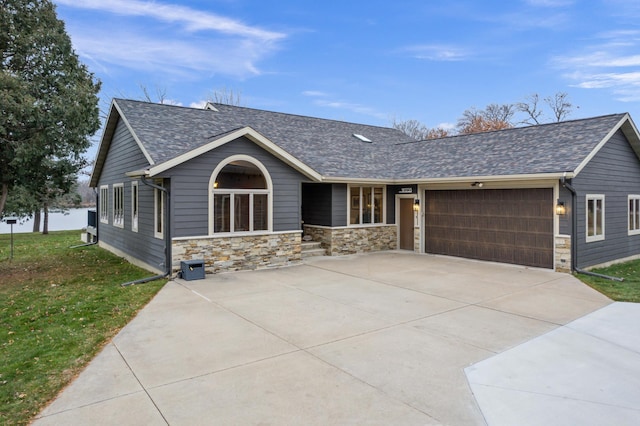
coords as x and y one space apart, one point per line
563 253
350 240
236 253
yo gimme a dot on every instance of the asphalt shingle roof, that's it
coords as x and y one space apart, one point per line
329 147
549 148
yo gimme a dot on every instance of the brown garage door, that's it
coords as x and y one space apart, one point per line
501 225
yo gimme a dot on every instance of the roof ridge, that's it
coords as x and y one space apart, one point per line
160 104
511 129
303 116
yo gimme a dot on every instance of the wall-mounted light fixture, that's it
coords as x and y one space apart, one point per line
560 208
477 184
215 185
416 205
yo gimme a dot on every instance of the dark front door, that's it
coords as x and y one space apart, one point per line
501 225
406 224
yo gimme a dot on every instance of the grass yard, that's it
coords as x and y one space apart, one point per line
58 307
626 291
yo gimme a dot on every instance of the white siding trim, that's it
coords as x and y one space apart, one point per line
135 137
600 145
594 197
384 205
158 193
117 205
268 191
452 180
135 204
104 204
636 198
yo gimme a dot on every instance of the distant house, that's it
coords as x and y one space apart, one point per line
238 188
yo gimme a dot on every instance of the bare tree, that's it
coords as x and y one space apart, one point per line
559 105
499 113
418 131
160 97
531 109
225 96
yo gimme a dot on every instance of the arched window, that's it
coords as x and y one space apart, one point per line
240 200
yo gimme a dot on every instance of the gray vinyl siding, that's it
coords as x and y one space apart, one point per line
124 156
565 221
392 191
339 203
316 204
190 189
600 177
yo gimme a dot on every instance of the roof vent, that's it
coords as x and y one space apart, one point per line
362 138
210 106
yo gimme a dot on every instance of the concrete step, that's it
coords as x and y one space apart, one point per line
310 245
313 252
311 249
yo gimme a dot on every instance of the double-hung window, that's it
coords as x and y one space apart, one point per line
158 211
118 205
595 217
366 205
134 206
104 204
634 214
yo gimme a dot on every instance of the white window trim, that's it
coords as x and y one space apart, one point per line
636 205
104 204
589 197
135 213
213 191
384 206
156 191
118 213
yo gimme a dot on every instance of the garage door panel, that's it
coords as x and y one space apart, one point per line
512 225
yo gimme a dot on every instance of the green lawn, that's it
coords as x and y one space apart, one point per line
58 307
626 291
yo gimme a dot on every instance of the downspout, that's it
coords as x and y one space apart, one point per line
167 238
574 237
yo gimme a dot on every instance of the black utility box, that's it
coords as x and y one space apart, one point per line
192 269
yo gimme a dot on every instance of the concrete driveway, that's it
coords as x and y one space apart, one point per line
381 338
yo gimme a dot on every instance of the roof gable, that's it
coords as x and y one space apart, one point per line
630 132
250 134
115 114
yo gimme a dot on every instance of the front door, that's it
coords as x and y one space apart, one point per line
405 227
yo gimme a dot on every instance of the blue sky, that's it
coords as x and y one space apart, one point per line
364 61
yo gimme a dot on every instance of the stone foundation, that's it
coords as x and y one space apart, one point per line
236 253
351 240
563 253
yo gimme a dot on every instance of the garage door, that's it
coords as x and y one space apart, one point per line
500 225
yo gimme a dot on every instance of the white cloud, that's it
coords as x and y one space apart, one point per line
610 65
198 42
315 94
322 99
193 19
198 104
606 80
435 52
550 3
446 126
